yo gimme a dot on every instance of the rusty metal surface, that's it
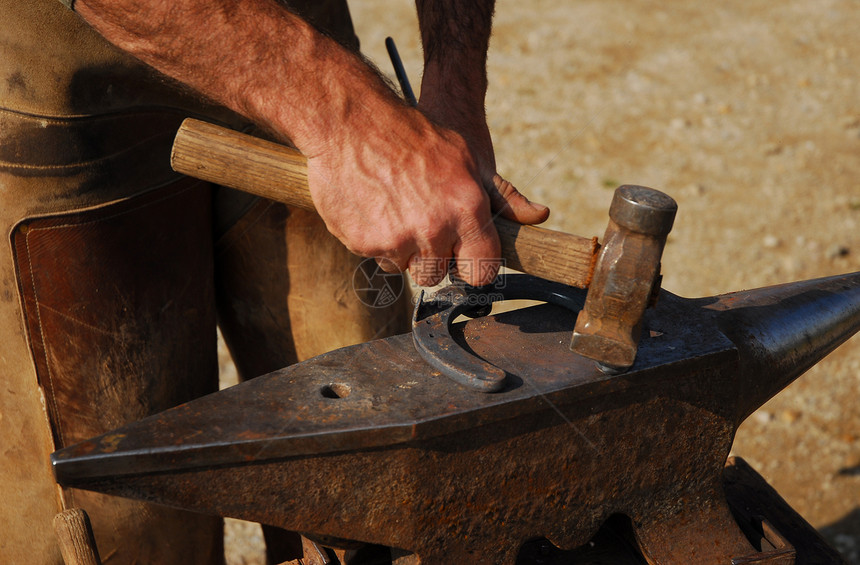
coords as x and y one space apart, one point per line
773 527
434 315
370 443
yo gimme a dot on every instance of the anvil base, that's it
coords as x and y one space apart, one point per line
779 533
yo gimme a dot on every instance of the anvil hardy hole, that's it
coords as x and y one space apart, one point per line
335 390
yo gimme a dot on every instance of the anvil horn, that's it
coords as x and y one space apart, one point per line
782 331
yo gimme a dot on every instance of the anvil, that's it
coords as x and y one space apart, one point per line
372 443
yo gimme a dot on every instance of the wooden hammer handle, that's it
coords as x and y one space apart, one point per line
280 173
75 536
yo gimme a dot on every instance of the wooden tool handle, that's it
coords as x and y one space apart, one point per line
75 535
280 173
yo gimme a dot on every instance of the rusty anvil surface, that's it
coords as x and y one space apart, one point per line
370 443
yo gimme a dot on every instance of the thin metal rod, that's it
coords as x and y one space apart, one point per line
400 72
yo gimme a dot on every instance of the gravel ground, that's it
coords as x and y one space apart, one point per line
747 113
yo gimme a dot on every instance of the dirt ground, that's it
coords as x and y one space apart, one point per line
748 114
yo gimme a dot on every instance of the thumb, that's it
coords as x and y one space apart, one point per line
509 203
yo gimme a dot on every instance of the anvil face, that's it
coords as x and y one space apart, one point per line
370 443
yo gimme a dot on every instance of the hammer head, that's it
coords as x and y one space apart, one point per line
625 278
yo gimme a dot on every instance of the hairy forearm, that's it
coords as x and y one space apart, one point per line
456 35
387 180
254 57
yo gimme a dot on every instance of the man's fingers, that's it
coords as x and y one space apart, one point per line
475 260
507 201
476 255
427 271
389 266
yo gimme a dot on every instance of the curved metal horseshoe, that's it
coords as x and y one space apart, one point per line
432 318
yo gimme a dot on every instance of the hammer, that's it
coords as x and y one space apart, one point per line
627 278
626 273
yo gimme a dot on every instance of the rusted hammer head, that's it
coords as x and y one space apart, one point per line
626 277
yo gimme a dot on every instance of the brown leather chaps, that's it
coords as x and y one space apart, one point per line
114 272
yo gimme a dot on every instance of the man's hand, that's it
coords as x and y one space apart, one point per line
505 199
409 193
456 37
387 181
